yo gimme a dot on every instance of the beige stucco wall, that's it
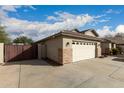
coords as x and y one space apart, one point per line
89 33
1 53
110 46
52 47
65 41
99 49
115 46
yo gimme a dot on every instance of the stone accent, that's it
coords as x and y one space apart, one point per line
1 53
65 56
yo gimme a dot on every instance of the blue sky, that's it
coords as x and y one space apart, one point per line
43 20
43 11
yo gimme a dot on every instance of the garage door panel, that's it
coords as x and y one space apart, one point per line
81 52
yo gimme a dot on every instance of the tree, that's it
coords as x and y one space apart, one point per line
119 36
108 36
4 37
23 39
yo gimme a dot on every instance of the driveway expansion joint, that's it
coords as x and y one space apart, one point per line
84 82
114 71
110 75
19 80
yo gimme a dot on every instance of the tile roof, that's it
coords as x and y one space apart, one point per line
90 30
72 33
80 35
114 40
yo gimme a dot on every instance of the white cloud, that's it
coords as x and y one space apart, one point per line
105 31
109 11
104 20
52 18
2 14
64 15
38 30
100 19
13 8
61 16
10 8
42 29
120 29
113 11
31 7
99 16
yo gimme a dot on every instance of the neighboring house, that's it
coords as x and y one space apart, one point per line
107 45
120 44
70 46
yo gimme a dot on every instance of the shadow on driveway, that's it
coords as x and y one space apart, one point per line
33 62
120 58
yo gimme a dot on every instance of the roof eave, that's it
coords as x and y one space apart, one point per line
69 35
49 37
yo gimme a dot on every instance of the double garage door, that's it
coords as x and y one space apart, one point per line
83 51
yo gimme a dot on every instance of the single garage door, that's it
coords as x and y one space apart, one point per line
83 51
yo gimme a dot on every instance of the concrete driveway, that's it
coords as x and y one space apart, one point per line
92 73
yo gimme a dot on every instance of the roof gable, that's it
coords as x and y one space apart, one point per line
90 32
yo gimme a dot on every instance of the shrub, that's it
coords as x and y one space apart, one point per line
114 51
120 50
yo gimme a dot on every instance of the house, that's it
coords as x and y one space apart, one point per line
120 45
70 46
107 45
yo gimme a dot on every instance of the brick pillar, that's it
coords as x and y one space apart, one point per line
65 56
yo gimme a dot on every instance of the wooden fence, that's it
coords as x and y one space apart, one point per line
19 52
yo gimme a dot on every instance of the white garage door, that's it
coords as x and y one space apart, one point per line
84 51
